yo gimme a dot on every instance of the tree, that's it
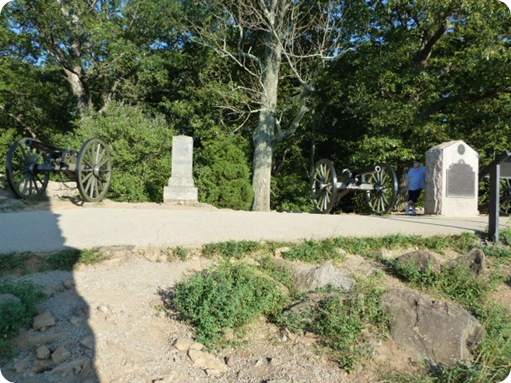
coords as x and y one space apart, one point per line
277 44
98 44
429 72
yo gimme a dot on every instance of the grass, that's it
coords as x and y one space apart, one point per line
14 315
23 263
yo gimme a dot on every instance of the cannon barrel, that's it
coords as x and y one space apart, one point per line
46 148
362 171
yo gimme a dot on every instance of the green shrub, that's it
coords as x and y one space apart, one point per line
13 315
141 147
223 174
230 249
314 251
342 319
227 299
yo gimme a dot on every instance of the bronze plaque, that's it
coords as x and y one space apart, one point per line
461 180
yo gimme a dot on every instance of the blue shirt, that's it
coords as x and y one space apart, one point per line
417 178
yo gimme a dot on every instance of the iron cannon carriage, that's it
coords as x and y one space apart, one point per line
379 183
30 163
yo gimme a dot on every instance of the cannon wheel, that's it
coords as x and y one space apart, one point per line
384 194
23 176
324 186
94 170
505 196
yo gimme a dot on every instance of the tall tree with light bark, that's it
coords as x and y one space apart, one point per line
99 45
272 41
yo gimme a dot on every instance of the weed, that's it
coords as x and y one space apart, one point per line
13 262
217 302
180 253
313 251
281 273
68 259
14 315
230 249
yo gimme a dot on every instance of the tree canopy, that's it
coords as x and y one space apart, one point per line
273 85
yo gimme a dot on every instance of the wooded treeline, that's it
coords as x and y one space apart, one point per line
265 87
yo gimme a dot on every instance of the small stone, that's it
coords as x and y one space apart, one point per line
21 365
75 321
44 320
88 342
42 352
41 366
206 361
187 344
60 355
104 309
68 284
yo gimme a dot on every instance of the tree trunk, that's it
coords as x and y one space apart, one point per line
79 89
264 136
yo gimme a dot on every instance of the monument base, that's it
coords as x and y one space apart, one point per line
185 194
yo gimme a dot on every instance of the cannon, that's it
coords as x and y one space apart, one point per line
379 183
30 163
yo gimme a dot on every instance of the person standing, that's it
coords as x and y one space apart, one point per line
415 182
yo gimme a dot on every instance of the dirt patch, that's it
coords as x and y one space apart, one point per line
110 319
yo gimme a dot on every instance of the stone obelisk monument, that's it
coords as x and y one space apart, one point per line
181 186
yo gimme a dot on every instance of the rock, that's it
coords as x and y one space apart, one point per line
28 339
41 366
322 276
11 298
44 320
440 332
42 352
88 342
60 355
206 361
421 259
475 261
187 344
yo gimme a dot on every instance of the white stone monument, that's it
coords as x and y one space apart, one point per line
181 186
452 170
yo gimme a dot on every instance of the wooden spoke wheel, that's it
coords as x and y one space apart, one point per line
505 196
324 186
94 170
382 198
26 174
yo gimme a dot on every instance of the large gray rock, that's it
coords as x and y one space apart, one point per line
421 259
475 261
322 276
440 332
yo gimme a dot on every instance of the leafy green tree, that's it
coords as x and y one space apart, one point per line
99 45
141 147
428 72
223 174
276 44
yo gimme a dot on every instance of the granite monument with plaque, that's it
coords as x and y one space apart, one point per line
181 188
452 180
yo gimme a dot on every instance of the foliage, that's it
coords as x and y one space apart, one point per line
140 147
227 299
314 251
223 174
230 249
458 283
341 321
16 315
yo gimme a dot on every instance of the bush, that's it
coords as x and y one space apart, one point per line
223 174
226 299
141 147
